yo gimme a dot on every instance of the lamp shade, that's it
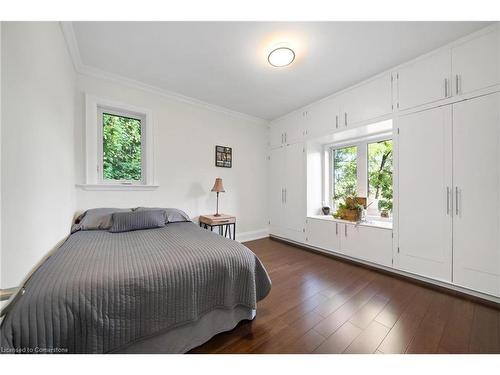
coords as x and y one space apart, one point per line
218 186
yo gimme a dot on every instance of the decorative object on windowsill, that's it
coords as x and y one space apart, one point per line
385 207
351 209
223 156
218 188
326 210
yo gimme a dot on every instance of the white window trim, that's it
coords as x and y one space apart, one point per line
93 146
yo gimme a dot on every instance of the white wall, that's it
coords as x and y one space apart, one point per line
37 174
185 138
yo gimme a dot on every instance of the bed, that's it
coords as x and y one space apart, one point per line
158 290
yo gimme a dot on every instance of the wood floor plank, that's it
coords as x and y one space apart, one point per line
484 331
340 340
323 305
400 336
369 339
456 334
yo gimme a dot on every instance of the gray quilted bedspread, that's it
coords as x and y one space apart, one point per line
101 291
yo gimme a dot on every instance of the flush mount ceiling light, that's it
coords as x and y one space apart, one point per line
282 56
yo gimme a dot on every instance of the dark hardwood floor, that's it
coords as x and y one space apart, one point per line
323 305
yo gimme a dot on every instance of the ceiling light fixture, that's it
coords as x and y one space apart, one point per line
282 56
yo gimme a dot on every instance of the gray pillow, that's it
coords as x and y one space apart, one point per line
96 219
136 220
174 215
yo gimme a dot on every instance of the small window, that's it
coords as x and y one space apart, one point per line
344 173
380 177
122 146
119 146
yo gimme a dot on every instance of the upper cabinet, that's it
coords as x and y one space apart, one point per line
476 63
467 66
368 101
288 130
360 104
324 117
424 81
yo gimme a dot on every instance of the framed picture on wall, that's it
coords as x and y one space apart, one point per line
223 156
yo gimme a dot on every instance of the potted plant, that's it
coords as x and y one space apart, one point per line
350 209
385 207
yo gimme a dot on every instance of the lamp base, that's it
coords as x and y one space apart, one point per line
217 215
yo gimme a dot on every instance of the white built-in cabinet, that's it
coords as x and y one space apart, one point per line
423 81
449 188
463 68
476 203
476 63
363 242
287 184
424 191
367 243
446 108
370 100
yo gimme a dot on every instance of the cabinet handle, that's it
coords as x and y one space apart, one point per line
446 87
447 200
286 137
345 229
456 200
345 118
336 229
282 138
458 89
336 121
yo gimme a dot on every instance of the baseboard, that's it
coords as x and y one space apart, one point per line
422 280
252 235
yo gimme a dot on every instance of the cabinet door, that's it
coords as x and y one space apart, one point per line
367 243
476 175
324 234
294 127
424 186
425 80
295 188
276 134
368 101
476 63
276 190
323 117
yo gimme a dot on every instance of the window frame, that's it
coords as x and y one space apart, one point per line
361 163
94 179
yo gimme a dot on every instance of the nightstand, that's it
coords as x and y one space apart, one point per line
224 222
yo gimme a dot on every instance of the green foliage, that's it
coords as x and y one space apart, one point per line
345 170
121 148
380 173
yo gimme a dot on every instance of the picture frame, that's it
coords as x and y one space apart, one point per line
223 156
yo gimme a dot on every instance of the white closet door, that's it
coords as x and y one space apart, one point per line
295 185
476 175
425 169
276 190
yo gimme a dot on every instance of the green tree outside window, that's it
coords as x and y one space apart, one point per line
122 153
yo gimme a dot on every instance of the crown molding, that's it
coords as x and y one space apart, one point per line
83 69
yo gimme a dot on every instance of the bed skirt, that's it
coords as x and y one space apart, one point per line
189 336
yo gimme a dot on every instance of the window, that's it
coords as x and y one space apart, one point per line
380 177
363 168
344 173
119 146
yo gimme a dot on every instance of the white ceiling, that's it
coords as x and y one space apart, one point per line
224 63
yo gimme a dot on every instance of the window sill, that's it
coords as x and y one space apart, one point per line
115 187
